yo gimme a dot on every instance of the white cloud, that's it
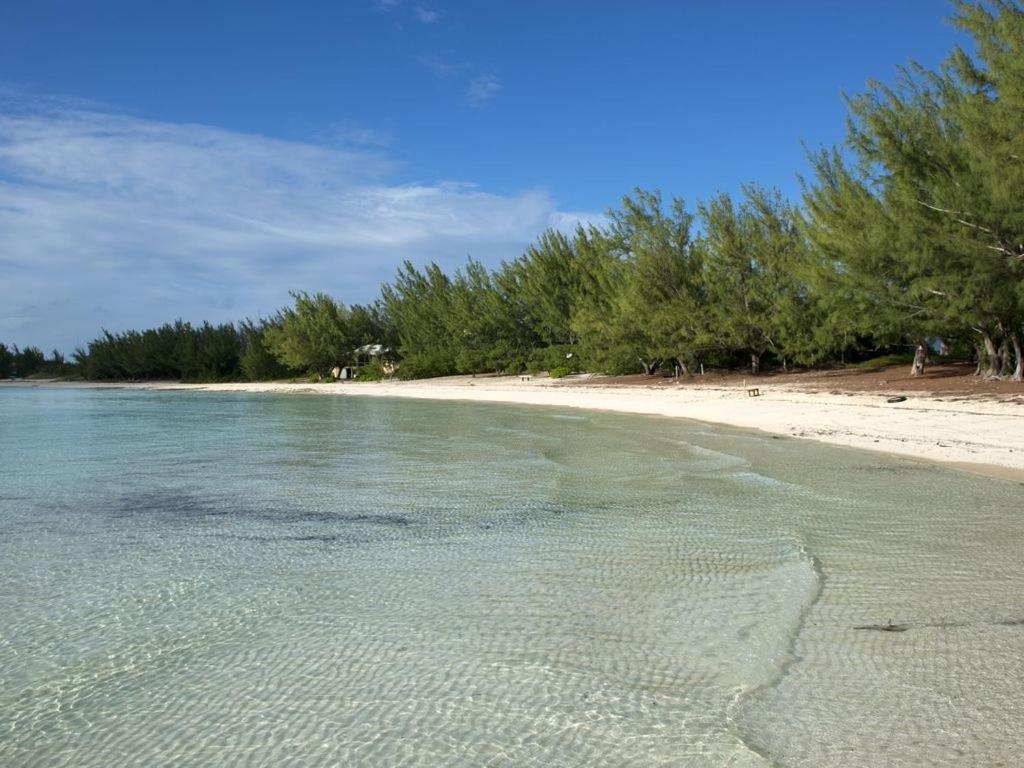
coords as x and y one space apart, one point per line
111 220
482 88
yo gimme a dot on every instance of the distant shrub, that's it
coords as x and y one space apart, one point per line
371 371
560 372
426 365
883 361
554 357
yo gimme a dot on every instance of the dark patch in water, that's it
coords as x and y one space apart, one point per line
166 503
894 469
323 538
890 627
397 521
177 505
511 518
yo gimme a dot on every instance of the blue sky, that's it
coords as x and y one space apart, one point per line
201 159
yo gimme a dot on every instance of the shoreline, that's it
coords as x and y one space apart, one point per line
979 435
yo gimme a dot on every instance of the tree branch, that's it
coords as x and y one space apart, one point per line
999 247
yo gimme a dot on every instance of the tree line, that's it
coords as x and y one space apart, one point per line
29 361
909 238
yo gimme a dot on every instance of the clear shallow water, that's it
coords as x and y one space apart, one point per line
193 579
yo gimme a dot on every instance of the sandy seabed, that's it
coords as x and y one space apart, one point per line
980 434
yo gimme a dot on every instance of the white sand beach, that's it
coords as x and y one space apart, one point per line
983 434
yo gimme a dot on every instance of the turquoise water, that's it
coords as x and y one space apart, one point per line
197 579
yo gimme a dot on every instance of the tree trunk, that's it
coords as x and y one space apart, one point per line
682 367
979 353
650 368
755 363
1018 368
920 355
994 363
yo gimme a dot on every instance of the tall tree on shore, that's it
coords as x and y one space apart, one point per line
750 252
604 341
547 286
661 304
315 335
935 192
486 325
419 305
256 361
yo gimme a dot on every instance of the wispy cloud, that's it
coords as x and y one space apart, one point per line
420 13
426 15
482 88
349 134
443 68
112 220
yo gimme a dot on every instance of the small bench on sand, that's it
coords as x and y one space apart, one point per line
753 392
525 377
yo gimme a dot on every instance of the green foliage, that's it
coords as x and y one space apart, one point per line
925 229
208 353
30 361
560 372
660 306
6 361
425 365
319 333
603 342
882 361
753 253
256 361
178 351
471 322
549 358
419 305
372 370
545 280
313 335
